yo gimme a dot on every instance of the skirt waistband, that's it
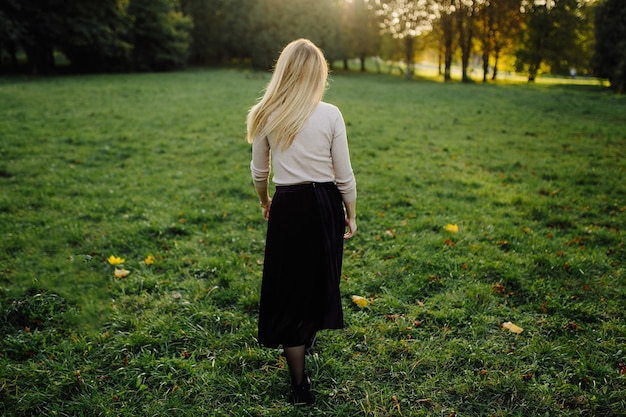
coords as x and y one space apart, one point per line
303 186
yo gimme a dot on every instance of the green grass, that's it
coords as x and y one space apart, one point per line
157 164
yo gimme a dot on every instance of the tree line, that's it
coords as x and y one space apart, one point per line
534 36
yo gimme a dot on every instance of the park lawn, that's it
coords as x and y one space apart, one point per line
479 205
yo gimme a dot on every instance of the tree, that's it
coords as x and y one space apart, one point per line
324 28
11 31
362 28
446 23
466 11
204 45
407 20
34 26
550 35
275 23
498 24
94 38
609 59
159 34
96 35
570 41
235 34
220 30
505 25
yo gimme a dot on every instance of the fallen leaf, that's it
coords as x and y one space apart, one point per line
121 273
498 288
452 228
512 327
360 301
149 260
395 400
575 326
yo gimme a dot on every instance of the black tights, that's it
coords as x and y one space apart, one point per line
295 361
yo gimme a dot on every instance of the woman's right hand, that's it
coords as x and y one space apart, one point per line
351 225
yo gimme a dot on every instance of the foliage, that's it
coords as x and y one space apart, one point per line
610 31
34 24
407 20
95 36
220 30
498 25
362 28
159 34
470 217
274 23
554 34
124 35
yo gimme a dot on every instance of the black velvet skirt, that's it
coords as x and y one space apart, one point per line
302 267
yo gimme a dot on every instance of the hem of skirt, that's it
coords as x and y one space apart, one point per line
276 345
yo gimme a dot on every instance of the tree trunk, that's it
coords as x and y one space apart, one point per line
362 62
12 48
465 26
532 73
495 65
409 43
485 66
448 63
447 25
439 62
466 50
345 64
533 69
40 59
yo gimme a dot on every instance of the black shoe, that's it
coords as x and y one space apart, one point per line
301 394
309 345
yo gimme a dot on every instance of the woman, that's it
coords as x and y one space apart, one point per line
306 139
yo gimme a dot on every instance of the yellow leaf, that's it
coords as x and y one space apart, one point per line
149 260
114 260
452 228
512 327
360 301
121 273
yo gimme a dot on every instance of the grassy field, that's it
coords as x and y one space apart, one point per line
479 205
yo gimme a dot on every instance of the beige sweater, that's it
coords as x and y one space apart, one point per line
319 153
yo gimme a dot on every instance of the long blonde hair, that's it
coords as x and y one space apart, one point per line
295 89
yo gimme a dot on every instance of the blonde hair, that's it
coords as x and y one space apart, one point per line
295 89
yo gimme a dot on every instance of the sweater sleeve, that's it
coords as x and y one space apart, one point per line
344 176
260 164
